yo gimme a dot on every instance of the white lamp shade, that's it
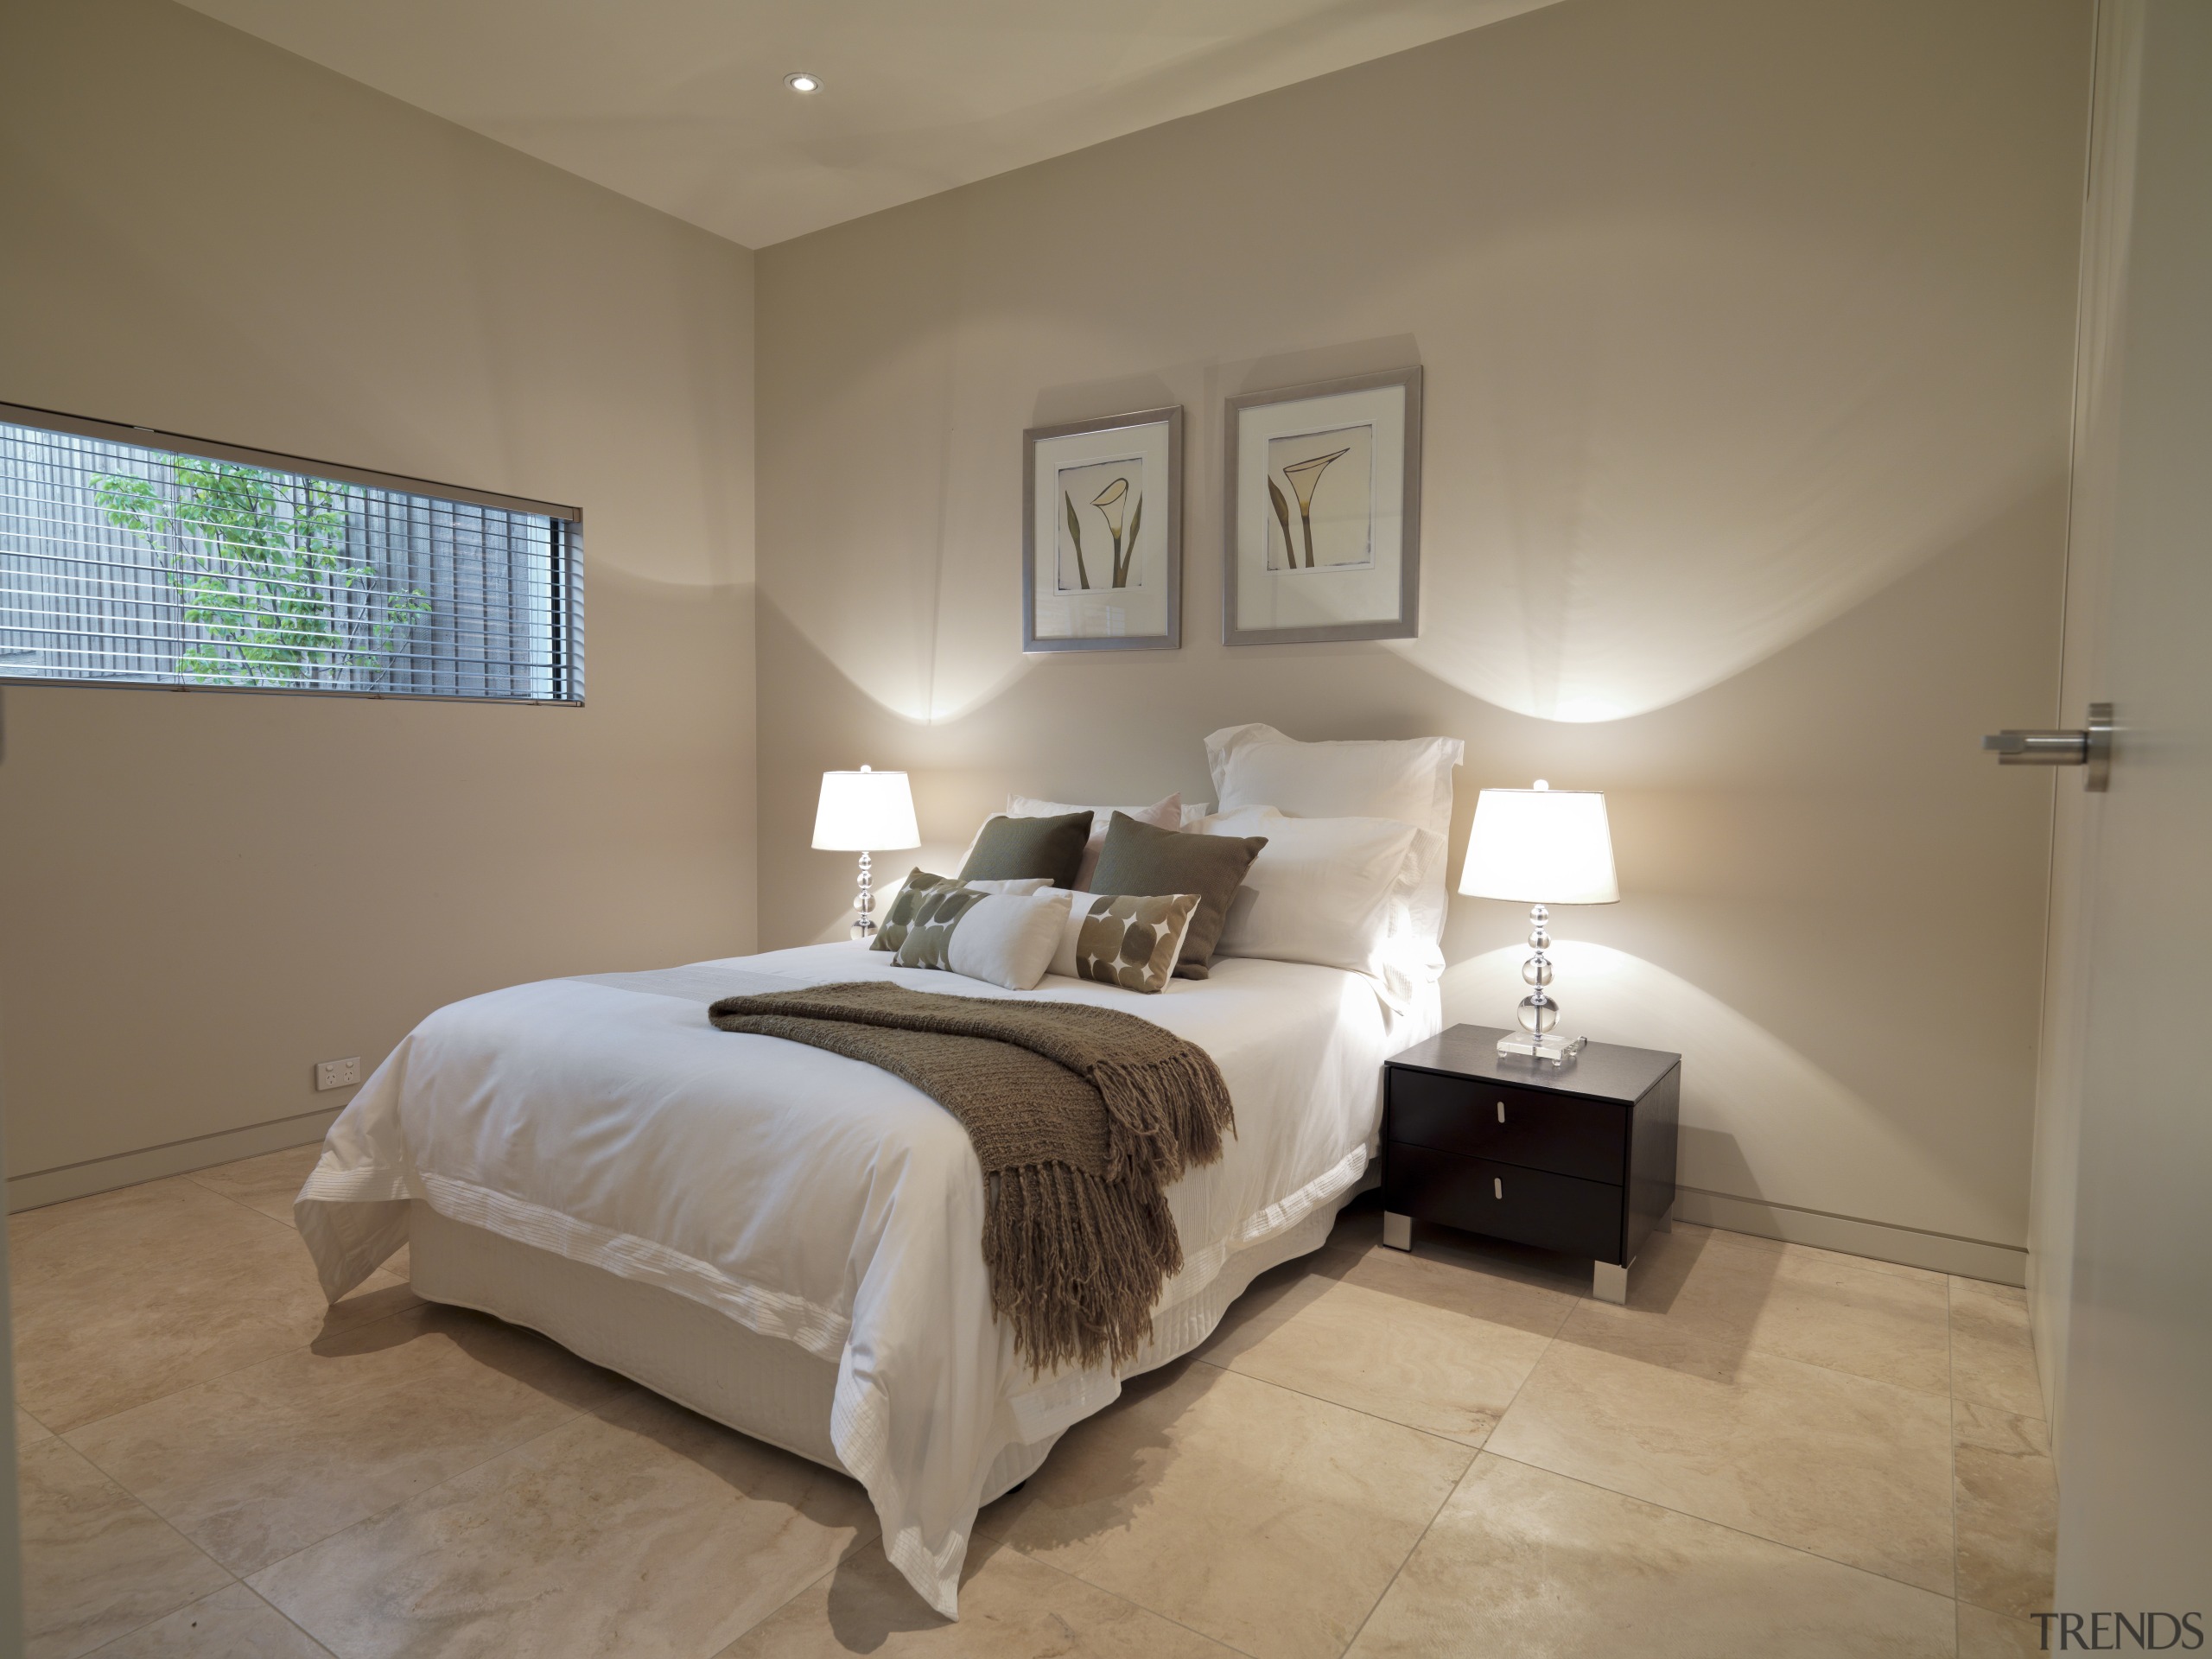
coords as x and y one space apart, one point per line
1540 846
865 811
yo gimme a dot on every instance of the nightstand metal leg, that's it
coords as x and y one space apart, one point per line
1609 1283
1397 1230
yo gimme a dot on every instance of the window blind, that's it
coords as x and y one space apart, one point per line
129 558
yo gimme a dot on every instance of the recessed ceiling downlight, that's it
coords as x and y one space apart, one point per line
800 81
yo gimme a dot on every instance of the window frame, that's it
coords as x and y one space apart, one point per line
567 533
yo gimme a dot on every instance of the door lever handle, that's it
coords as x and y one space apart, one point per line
2090 746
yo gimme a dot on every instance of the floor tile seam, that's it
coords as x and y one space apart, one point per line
312 1639
1518 1389
1984 1607
1725 1526
1473 1452
1357 1411
1127 1600
247 1578
1958 1398
1839 1258
1223 1642
1571 1300
862 1539
1752 1346
1356 1253
306 1635
1428 1527
230 1577
189 1543
225 1376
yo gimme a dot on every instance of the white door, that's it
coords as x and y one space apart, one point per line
2123 1179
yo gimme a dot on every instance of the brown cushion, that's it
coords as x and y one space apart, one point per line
1011 849
1140 860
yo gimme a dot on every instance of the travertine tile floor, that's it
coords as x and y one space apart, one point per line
1771 1451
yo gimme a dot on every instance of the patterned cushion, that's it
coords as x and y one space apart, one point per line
1126 941
892 932
927 940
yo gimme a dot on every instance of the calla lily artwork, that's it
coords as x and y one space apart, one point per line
1102 562
1116 498
1331 468
1322 519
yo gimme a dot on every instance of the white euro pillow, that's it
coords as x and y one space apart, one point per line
1409 779
1332 891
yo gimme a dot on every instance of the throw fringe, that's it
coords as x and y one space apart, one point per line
1077 1263
1163 1116
1078 1239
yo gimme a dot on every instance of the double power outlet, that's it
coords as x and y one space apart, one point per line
337 1074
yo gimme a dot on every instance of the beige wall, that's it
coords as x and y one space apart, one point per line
1747 330
203 894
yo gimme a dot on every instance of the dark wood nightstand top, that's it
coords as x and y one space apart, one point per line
1601 1072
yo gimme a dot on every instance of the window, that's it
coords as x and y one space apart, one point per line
135 557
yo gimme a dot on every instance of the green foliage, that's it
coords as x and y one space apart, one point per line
1282 518
1075 530
260 561
1125 553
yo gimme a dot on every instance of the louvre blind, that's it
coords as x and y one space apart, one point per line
136 558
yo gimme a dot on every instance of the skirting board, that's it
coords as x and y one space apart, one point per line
41 1188
1970 1258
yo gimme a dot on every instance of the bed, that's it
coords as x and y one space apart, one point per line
787 1240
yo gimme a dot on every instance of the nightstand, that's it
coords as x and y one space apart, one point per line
1579 1160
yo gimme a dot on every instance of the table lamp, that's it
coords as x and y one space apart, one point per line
1541 847
861 811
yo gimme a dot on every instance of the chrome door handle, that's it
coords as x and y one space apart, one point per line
2090 746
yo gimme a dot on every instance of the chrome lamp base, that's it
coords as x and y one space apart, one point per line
1539 1037
864 903
1546 1045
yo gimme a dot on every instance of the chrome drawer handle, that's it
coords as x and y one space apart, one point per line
1497 1187
1501 1111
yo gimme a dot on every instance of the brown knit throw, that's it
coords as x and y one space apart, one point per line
1080 1116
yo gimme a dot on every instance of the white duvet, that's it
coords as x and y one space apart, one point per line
815 1198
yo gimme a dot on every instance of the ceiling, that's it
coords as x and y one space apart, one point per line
681 104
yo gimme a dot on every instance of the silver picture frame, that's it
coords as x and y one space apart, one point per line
1374 580
1090 618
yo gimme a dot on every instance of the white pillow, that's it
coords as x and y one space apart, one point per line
1161 814
1407 779
1004 939
1332 891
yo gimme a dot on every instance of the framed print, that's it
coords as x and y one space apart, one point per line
1102 539
1323 537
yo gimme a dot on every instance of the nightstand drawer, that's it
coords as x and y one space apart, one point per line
1534 1128
1555 1213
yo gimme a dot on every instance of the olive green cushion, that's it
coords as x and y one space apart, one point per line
1142 860
1011 849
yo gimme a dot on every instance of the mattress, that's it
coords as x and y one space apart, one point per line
818 1204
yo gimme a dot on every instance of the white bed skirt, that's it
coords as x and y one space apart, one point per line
763 1386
